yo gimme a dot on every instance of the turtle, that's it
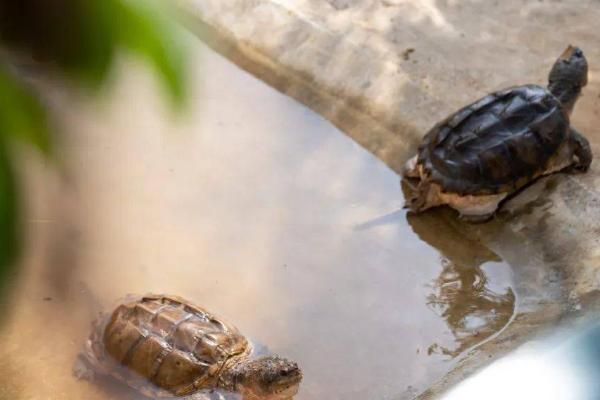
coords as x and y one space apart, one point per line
491 149
163 346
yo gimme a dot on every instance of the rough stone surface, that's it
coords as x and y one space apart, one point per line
385 71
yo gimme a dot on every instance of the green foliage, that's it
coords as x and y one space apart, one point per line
9 218
140 26
81 38
150 34
21 114
21 117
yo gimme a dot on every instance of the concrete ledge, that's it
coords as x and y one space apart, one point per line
350 84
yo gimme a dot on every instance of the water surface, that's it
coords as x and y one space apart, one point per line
257 209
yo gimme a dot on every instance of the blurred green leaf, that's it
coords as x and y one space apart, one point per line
147 30
92 48
74 35
9 225
81 37
141 26
21 114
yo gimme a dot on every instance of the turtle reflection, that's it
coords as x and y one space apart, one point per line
461 294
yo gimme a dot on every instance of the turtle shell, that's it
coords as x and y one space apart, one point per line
178 347
497 143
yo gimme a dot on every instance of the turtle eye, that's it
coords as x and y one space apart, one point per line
578 53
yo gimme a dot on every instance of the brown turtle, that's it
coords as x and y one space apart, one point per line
490 149
164 346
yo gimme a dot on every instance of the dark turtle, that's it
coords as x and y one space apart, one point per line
164 346
493 147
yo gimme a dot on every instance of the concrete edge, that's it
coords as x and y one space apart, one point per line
368 125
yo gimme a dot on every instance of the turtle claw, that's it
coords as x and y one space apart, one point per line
415 204
578 168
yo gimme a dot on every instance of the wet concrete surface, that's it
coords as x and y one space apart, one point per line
261 211
386 71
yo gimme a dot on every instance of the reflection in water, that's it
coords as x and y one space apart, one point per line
463 294
472 311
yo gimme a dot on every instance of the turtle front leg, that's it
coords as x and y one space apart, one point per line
581 150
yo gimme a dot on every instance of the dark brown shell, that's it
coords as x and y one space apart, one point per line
496 143
177 346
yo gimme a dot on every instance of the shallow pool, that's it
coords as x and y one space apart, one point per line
259 210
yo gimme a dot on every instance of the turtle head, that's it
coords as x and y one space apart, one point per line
268 378
568 76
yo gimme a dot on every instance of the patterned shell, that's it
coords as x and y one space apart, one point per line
177 346
497 143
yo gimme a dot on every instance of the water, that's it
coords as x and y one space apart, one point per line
257 209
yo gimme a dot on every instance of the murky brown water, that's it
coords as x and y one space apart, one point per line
257 209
